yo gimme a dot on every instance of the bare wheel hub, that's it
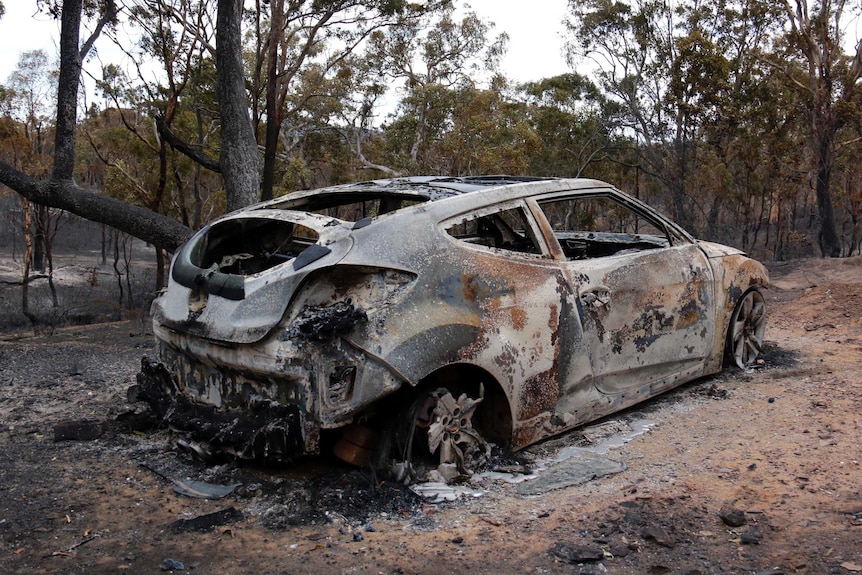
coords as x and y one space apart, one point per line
451 433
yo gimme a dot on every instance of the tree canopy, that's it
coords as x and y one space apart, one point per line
741 119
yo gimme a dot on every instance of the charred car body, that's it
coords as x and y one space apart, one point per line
509 309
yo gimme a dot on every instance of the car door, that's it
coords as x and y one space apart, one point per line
527 307
643 291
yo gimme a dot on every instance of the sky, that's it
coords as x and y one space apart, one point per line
23 29
535 35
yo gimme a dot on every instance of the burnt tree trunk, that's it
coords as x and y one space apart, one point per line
273 109
830 244
67 95
239 160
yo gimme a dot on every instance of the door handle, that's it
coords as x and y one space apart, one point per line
596 297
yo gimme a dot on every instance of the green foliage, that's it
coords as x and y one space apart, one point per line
488 135
574 124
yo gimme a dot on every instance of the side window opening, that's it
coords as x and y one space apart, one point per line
597 226
505 230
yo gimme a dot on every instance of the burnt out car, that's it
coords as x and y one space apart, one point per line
437 313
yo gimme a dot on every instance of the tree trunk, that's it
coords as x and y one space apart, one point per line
712 218
104 245
140 222
28 252
161 268
830 245
273 111
67 95
239 158
39 238
118 273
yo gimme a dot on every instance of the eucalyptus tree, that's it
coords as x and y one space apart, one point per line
830 83
238 157
431 60
58 189
632 47
847 179
27 133
745 134
577 126
300 45
489 134
164 82
674 70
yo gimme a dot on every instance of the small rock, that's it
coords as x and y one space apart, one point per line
752 467
169 564
632 516
619 549
658 535
357 536
458 540
732 517
852 566
575 554
751 537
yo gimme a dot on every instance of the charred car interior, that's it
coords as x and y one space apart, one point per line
425 317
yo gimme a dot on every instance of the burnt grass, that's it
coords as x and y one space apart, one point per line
108 504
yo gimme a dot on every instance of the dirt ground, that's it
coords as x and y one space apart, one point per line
774 451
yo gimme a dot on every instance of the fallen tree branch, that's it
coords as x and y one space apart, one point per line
67 552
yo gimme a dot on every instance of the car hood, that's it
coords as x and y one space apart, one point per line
238 308
714 250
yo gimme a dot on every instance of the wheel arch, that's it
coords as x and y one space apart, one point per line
493 417
735 276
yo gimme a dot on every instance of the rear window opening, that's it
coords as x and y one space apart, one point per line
250 246
352 206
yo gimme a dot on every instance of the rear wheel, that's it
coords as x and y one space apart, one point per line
439 426
453 438
745 333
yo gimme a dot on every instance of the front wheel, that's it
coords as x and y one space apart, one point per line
745 333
